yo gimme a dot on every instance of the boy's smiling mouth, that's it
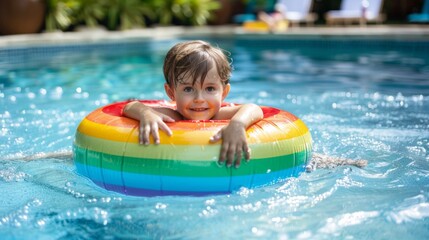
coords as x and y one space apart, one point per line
199 109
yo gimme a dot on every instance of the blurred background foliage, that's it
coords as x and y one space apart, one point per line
125 14
69 15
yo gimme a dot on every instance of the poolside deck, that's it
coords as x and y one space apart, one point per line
416 31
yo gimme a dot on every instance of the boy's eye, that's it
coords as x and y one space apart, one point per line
210 89
188 89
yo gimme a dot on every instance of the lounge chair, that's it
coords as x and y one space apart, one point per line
289 12
297 11
352 11
420 17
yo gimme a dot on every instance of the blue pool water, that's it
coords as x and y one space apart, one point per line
361 98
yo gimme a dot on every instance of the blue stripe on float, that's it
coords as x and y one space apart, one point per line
156 185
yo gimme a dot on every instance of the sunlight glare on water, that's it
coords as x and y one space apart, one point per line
361 99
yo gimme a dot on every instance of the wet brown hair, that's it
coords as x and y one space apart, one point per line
195 59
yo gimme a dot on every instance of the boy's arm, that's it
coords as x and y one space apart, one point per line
233 136
150 119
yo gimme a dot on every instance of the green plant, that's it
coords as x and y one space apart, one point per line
125 14
128 13
165 10
91 12
198 12
60 14
188 12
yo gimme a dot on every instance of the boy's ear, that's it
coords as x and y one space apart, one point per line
226 89
169 91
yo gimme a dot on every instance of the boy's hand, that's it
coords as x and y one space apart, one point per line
234 143
150 122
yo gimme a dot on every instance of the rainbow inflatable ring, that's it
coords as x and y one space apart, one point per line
107 151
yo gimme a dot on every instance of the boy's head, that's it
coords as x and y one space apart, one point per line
197 79
195 59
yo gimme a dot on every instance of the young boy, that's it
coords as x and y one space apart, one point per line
197 79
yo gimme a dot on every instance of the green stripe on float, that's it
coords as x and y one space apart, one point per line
192 168
190 152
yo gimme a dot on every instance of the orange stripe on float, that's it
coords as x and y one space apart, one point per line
99 116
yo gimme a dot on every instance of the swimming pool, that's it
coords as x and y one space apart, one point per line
362 98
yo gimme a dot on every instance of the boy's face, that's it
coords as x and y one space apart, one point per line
199 101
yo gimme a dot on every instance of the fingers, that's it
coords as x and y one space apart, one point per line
238 160
165 128
144 134
152 129
223 152
155 133
233 154
166 118
216 137
246 153
150 123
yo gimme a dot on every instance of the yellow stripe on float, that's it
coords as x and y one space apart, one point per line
258 133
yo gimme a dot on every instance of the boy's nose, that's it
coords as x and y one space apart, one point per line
198 96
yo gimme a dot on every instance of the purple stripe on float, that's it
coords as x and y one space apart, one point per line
154 193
